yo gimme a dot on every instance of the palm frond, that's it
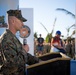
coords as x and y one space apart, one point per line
66 11
73 33
72 26
53 26
44 27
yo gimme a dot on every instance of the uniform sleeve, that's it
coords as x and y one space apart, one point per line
10 64
32 59
0 57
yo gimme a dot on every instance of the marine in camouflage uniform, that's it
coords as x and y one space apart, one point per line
13 55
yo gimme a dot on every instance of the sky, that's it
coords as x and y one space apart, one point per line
44 11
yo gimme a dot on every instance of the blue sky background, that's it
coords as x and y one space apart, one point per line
45 12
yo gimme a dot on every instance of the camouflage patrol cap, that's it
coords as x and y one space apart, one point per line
17 14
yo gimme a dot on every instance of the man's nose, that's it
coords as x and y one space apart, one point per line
22 24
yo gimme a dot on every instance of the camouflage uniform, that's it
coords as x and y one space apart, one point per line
13 55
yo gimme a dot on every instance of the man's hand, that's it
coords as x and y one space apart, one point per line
26 47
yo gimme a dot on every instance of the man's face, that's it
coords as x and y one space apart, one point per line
18 24
58 35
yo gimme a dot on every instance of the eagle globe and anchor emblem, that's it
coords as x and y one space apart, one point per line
24 33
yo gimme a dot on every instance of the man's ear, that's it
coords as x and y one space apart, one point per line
13 20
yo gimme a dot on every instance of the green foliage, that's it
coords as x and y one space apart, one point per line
48 38
2 19
35 35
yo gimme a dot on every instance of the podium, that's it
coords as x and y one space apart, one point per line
48 56
52 64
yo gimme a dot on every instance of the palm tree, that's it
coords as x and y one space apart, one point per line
68 29
66 11
49 35
69 13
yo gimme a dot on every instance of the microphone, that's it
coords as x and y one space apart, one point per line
24 41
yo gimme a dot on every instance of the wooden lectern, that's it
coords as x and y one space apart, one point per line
52 64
